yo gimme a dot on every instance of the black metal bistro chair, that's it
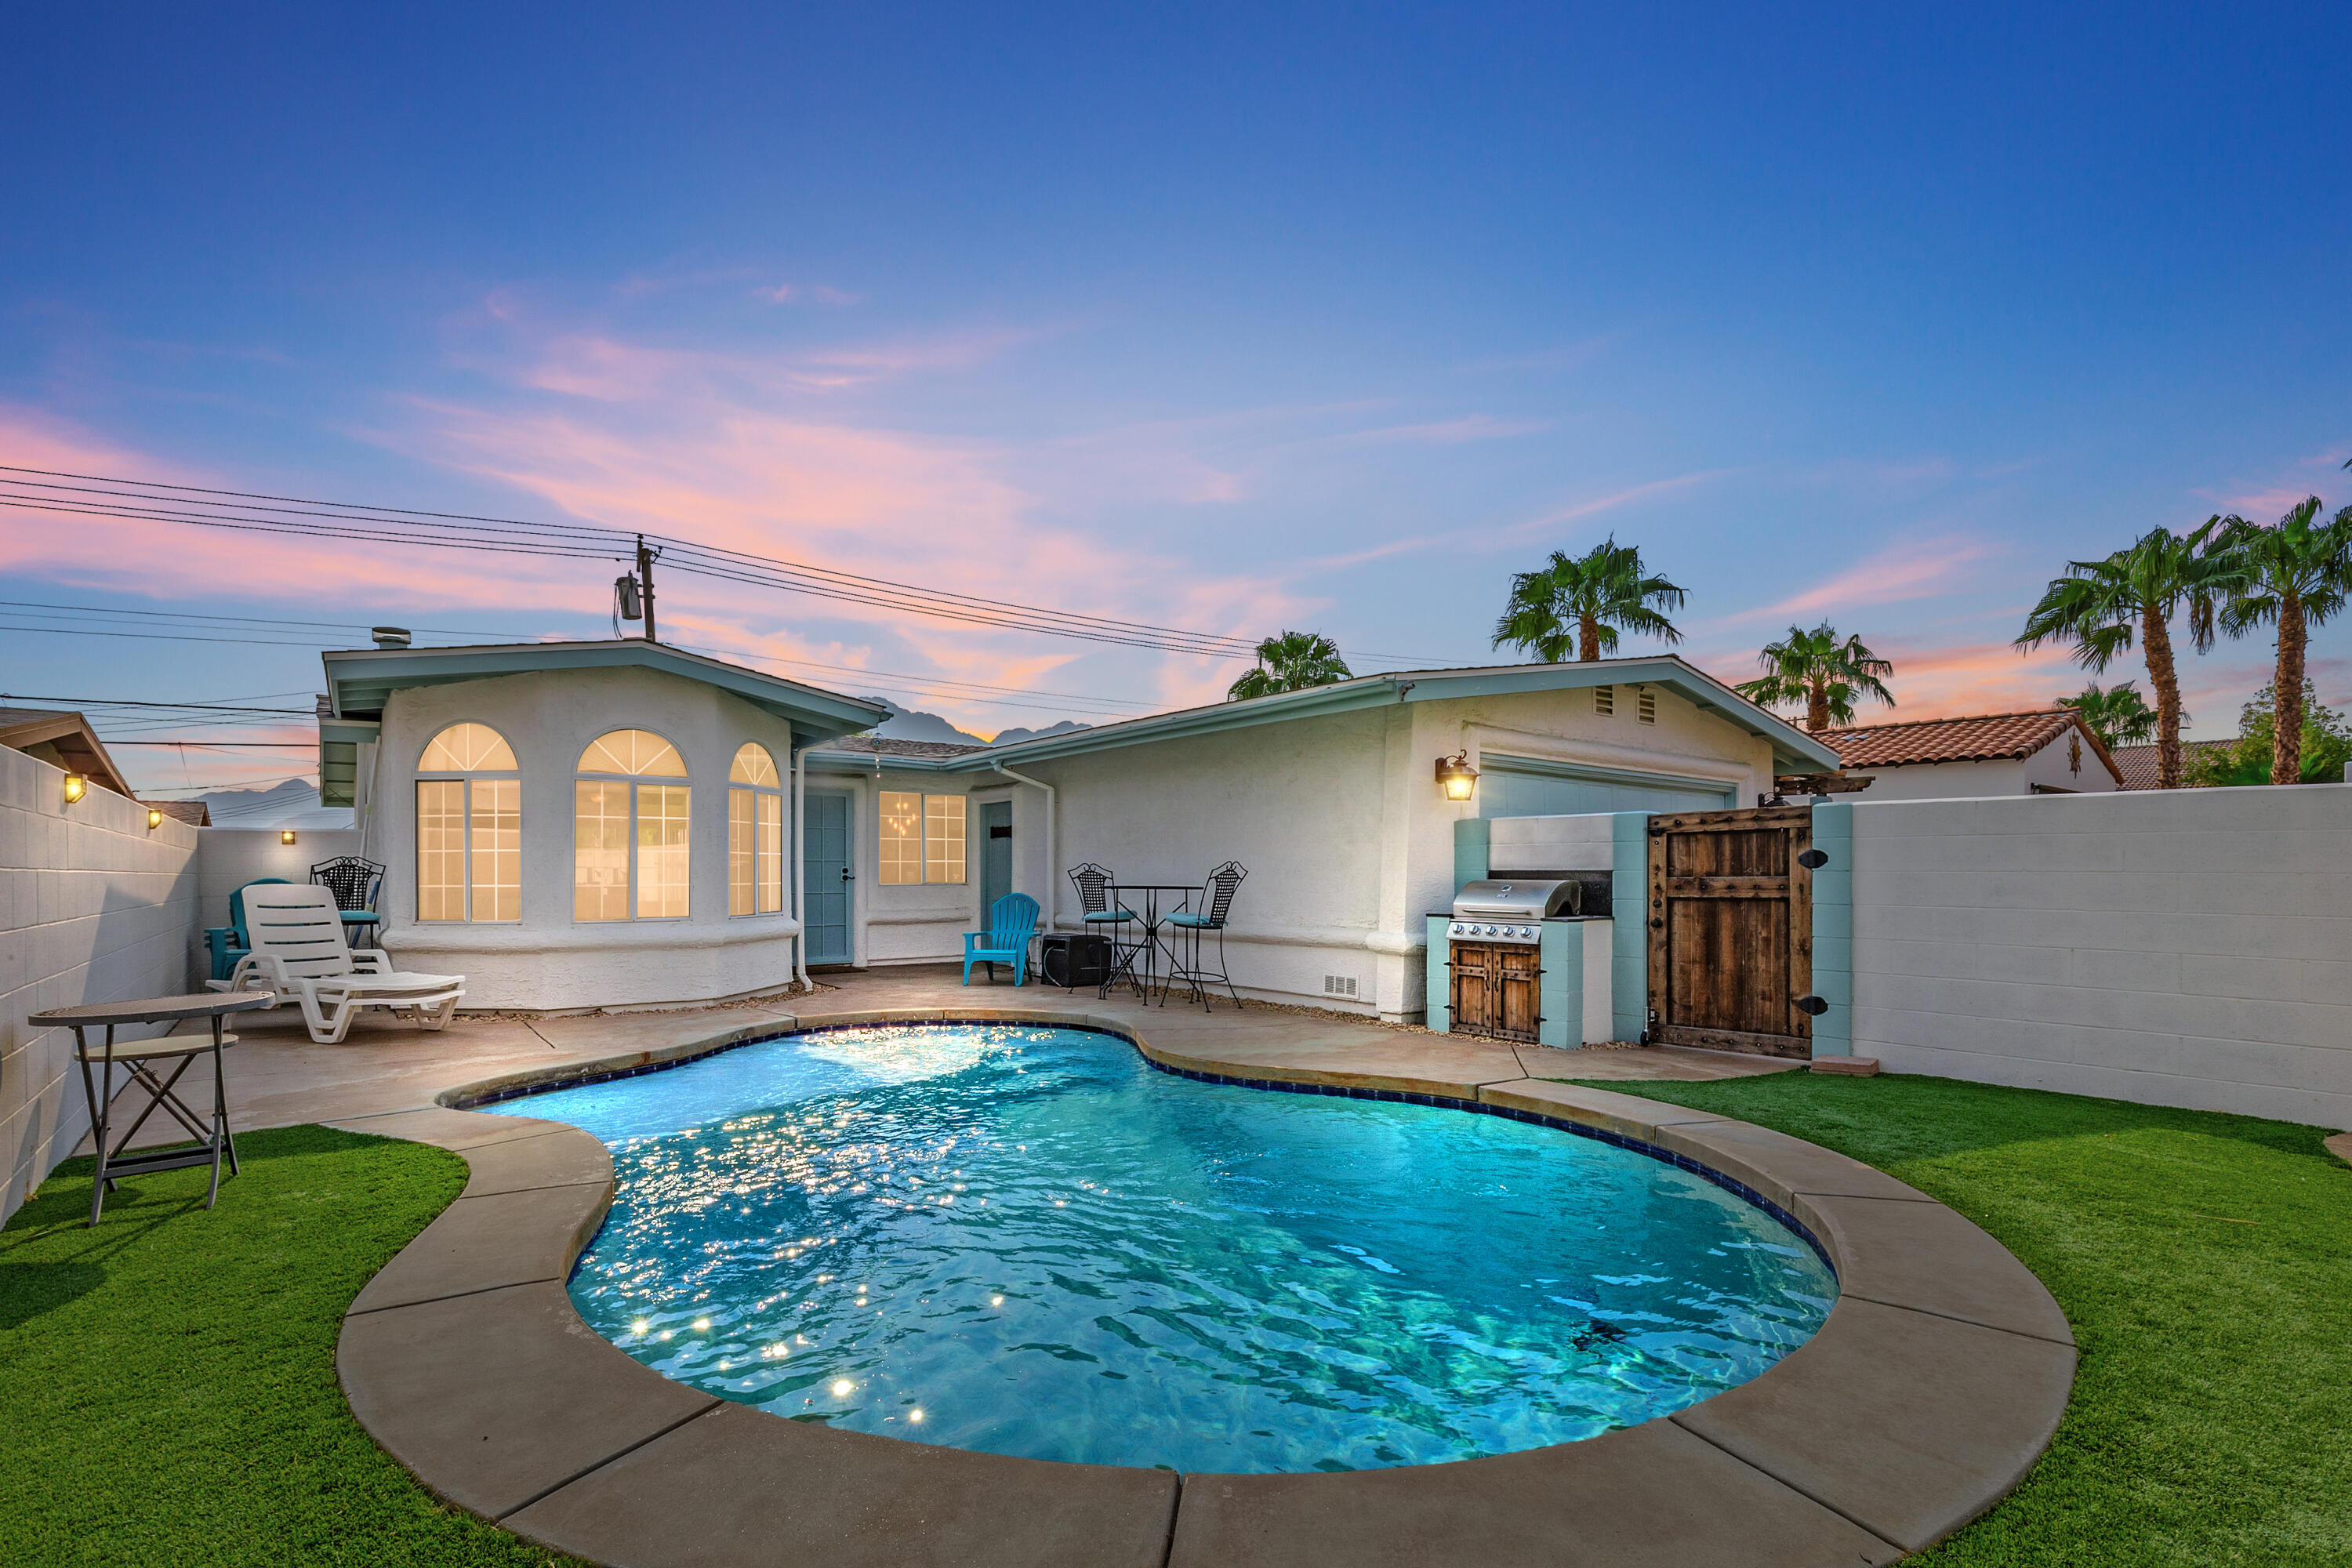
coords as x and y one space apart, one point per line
1217 901
1104 917
355 883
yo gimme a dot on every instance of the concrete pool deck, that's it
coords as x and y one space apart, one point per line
1936 1383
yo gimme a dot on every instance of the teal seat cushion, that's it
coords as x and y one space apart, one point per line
1112 915
1195 922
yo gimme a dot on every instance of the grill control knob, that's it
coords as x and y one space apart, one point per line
1457 929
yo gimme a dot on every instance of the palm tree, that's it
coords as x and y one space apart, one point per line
2118 715
2104 606
1826 675
2296 576
1578 604
1291 662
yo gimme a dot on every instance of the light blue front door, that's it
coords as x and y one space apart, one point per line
825 886
995 854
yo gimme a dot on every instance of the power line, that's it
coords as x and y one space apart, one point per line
125 702
120 499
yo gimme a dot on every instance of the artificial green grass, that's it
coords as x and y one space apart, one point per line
167 1380
2205 1262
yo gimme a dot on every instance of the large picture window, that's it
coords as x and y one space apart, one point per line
755 834
469 827
921 837
629 835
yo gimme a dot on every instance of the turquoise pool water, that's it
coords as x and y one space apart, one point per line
1027 1241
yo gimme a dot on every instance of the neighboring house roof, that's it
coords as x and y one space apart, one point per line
1794 751
889 746
1980 738
2136 765
194 813
360 679
63 740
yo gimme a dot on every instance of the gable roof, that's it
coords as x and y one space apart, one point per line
2136 765
891 746
62 739
1794 751
360 679
1978 738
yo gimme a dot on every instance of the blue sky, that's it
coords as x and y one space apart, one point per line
1230 319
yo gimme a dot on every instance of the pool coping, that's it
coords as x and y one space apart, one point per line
1933 1386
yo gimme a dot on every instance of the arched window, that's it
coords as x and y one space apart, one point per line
469 827
755 834
629 838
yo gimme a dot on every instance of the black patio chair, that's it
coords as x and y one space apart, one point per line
1102 916
355 882
1189 927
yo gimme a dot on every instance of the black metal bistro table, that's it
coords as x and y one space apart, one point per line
1153 917
211 1142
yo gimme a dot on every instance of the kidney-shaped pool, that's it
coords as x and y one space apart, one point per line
1028 1241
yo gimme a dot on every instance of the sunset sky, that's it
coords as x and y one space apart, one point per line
1229 319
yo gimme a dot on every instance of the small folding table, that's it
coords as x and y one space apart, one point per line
136 1056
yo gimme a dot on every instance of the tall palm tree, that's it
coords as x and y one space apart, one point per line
2294 576
2118 715
1577 605
2104 606
1826 675
1291 662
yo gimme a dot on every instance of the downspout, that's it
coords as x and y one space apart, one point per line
1053 850
800 865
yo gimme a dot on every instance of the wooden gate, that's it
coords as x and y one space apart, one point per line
1731 929
1496 990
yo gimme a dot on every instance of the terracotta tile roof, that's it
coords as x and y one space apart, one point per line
1980 738
2137 763
884 746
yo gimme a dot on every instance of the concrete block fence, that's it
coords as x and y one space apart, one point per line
95 905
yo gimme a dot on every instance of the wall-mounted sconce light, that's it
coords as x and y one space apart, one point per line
75 787
154 818
287 836
1457 777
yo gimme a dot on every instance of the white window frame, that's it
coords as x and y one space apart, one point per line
924 840
464 783
755 796
636 784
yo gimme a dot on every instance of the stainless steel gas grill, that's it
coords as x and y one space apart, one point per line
1499 911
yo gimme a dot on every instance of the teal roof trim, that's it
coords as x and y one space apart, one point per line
1792 747
359 681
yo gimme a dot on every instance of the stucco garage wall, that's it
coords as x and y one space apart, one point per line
94 907
1301 804
2181 947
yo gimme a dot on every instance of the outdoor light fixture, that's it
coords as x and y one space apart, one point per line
287 836
1457 777
154 818
75 787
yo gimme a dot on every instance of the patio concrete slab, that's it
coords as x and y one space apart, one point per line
444 1129
481 1243
563 1157
493 1399
1929 1258
1405 1064
1649 1494
1627 1115
1915 1458
2340 1145
742 1487
1779 1166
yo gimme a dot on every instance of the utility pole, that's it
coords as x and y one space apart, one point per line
645 584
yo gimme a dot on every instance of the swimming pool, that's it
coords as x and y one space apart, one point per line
1026 1240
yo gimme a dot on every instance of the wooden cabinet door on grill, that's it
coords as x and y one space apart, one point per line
1731 929
1496 990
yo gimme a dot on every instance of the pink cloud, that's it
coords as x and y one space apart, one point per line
1917 569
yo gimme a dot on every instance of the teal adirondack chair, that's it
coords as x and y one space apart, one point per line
1011 922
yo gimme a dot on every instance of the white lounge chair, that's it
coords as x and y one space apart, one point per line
298 952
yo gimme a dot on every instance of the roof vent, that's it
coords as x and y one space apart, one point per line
389 636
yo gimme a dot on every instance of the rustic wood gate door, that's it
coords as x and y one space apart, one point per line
1496 990
1731 929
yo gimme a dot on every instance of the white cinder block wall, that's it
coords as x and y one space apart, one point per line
2183 947
94 907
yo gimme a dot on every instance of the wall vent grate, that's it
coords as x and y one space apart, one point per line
1339 985
1605 700
1649 707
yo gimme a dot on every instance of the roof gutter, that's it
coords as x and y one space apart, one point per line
1052 854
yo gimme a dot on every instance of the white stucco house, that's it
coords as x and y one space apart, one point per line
2047 752
610 824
